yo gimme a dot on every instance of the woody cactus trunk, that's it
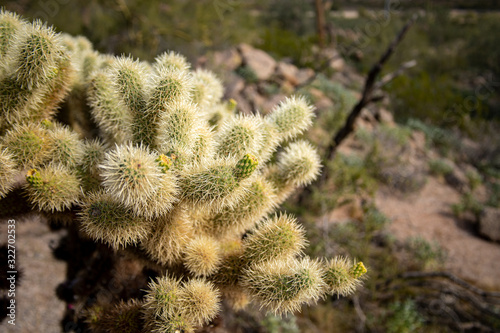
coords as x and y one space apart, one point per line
172 191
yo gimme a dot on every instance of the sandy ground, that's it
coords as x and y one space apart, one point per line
428 214
38 309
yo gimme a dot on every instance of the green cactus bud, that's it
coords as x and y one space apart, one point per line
358 270
199 301
124 317
106 220
291 117
131 175
169 237
202 256
53 188
207 88
108 109
33 177
245 166
178 127
282 286
277 237
341 276
299 164
171 61
165 162
239 136
29 144
66 146
8 171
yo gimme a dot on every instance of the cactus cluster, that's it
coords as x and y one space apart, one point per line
156 165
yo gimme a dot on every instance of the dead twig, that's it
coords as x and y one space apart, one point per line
367 93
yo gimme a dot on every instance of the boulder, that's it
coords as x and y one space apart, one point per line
259 61
233 86
287 72
489 223
229 59
303 75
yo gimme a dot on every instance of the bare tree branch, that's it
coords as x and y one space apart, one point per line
367 92
391 76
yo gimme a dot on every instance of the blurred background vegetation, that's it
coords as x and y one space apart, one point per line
456 80
451 93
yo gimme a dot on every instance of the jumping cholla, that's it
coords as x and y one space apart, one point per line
171 171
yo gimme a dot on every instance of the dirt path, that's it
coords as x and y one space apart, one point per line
428 214
38 308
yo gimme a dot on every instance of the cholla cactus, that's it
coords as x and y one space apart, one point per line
173 177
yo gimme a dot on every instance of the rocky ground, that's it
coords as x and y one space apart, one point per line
38 308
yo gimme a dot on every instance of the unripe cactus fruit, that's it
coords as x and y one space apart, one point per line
106 220
53 188
277 237
282 286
